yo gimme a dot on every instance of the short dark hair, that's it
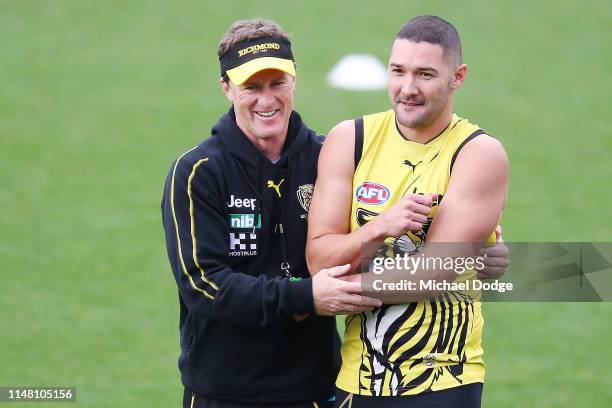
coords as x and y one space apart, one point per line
246 30
434 30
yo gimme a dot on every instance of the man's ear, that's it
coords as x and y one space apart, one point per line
459 76
226 89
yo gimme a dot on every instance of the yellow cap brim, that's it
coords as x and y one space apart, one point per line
241 73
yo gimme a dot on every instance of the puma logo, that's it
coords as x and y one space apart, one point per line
409 163
276 187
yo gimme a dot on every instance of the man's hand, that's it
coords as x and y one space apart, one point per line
334 296
497 258
408 214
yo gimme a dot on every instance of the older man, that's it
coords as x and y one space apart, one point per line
253 326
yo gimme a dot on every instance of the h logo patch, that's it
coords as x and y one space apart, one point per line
240 241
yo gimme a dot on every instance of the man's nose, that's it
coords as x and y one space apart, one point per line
266 96
409 86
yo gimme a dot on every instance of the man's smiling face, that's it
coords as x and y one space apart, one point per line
263 103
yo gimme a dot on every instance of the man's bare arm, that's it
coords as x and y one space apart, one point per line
329 241
476 194
328 216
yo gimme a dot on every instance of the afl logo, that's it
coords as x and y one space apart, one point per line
372 193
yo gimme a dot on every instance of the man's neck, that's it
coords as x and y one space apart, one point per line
431 131
270 147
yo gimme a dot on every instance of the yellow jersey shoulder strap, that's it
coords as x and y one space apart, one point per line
358 140
463 143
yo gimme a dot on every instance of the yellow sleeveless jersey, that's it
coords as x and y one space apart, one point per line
418 347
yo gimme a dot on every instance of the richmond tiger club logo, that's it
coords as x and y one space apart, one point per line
304 196
372 193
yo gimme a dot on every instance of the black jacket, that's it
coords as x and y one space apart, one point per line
222 216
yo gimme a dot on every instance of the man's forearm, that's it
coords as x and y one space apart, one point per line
331 250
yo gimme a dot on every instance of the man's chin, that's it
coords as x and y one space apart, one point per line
269 134
409 121
269 130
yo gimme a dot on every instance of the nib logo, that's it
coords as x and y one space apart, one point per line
246 221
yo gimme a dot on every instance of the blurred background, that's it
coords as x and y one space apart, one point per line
98 97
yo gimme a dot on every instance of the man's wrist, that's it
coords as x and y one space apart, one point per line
371 232
301 296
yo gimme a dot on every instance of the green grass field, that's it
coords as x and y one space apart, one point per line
97 99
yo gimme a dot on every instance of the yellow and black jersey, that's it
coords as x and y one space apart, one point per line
424 346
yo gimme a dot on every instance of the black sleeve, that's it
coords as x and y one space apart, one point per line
197 240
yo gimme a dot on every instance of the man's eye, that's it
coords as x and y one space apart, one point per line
426 75
396 70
